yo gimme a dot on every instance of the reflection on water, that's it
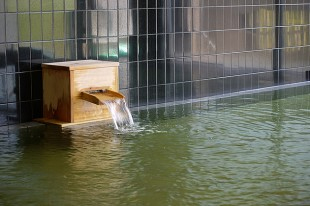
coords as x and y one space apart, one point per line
237 150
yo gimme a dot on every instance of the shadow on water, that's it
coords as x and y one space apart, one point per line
36 170
59 167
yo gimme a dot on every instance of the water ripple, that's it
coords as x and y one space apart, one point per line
249 154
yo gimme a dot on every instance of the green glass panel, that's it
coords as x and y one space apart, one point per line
58 25
59 50
47 5
58 5
70 5
48 51
10 5
92 24
23 5
2 25
47 20
92 48
35 5
70 50
1 5
70 25
36 27
23 27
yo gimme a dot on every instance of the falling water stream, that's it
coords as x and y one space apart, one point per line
120 113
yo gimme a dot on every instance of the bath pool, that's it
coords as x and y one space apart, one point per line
248 150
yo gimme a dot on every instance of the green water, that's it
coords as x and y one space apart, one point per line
234 152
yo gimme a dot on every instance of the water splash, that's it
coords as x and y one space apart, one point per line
120 113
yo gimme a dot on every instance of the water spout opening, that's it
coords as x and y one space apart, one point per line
115 103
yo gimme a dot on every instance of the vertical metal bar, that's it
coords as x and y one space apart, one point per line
277 51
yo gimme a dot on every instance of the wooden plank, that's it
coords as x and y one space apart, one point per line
79 65
56 95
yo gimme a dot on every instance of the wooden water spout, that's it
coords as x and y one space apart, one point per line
69 95
98 95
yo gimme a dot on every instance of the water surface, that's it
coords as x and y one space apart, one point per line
237 151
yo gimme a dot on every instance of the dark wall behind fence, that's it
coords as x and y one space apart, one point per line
169 50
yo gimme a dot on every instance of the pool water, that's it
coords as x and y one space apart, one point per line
248 150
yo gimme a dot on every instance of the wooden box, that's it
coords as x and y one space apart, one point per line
62 86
